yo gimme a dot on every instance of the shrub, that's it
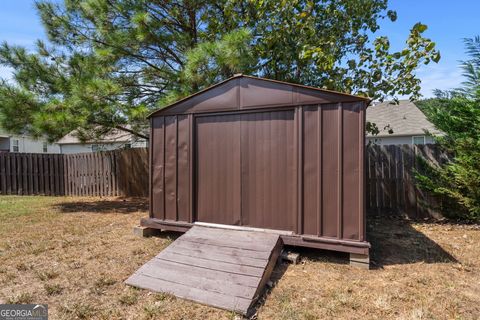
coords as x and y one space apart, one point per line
457 115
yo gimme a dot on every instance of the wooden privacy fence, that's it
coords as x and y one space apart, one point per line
390 189
390 175
110 173
31 173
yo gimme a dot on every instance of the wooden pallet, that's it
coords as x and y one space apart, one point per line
223 268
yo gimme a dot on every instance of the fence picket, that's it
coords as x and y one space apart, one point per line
8 173
391 184
3 179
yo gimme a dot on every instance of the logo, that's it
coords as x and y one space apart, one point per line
23 312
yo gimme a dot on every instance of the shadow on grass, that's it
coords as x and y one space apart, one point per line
396 241
171 235
280 268
124 206
393 241
319 255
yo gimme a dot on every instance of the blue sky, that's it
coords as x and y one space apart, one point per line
448 23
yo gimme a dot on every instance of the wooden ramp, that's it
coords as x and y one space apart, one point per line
223 268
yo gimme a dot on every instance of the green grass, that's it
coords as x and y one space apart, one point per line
53 289
129 299
16 206
22 298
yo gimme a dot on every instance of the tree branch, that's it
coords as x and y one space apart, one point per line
132 132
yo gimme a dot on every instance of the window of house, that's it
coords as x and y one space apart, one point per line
15 145
45 147
95 147
128 145
418 140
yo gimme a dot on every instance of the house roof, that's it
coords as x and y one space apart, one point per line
113 136
242 92
4 134
404 118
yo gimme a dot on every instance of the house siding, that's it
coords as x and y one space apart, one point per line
26 144
87 147
397 140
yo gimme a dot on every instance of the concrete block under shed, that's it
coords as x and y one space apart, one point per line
292 257
145 231
360 260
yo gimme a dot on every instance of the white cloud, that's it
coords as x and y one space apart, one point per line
5 73
439 77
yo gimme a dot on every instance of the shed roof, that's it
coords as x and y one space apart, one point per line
404 118
242 92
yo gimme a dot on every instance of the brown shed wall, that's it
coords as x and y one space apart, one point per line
333 160
170 163
262 153
293 168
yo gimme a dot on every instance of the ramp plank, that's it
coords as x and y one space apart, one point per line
223 268
206 297
212 265
227 244
195 281
243 239
246 236
223 250
201 252
233 278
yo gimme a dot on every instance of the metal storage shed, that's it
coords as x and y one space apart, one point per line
265 154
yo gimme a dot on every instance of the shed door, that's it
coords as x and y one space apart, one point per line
268 170
218 169
246 172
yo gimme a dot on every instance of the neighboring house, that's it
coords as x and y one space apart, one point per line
405 121
117 139
25 144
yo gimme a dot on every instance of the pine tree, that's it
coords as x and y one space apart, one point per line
108 63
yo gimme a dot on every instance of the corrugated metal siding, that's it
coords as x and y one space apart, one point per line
170 168
157 167
258 92
268 170
330 170
218 169
351 170
245 169
244 93
183 172
312 195
333 153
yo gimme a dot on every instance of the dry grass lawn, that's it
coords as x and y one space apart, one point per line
75 253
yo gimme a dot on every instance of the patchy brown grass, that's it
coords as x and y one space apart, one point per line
75 253
420 271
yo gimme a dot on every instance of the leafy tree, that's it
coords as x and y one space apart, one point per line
211 62
110 62
457 114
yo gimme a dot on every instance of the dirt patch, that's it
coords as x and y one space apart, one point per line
75 253
112 205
